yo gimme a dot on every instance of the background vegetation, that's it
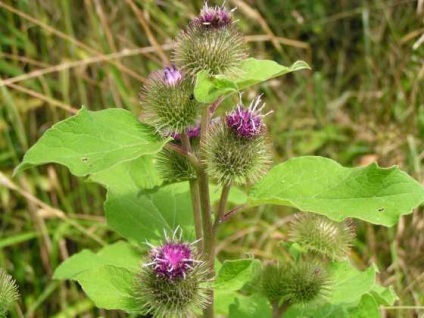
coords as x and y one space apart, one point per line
363 101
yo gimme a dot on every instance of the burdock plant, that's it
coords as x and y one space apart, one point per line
8 292
193 164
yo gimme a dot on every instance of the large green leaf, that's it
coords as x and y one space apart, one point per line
320 185
139 215
138 209
109 287
120 254
91 142
107 277
252 71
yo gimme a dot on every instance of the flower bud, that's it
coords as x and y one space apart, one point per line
169 101
272 281
211 42
307 284
319 234
171 166
300 283
8 292
236 149
171 283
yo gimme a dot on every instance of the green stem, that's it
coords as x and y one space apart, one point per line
221 209
195 196
195 200
278 310
205 203
208 239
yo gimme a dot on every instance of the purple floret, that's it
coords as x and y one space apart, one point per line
214 17
246 122
172 260
171 76
193 132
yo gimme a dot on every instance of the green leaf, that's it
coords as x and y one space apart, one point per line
349 283
250 307
252 71
320 185
367 308
234 274
142 215
131 175
384 295
106 277
120 254
91 142
109 287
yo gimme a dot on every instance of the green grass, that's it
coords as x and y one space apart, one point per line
364 100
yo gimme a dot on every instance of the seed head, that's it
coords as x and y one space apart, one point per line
321 235
8 292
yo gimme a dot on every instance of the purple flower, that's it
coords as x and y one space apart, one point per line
247 122
172 260
171 76
192 132
214 17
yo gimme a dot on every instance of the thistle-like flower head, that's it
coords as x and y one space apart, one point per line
174 281
214 17
247 122
169 102
8 292
212 43
171 76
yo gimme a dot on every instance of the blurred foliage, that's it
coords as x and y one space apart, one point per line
363 101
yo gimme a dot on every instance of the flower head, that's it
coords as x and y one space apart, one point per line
171 76
168 101
236 148
174 282
211 43
247 122
214 17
